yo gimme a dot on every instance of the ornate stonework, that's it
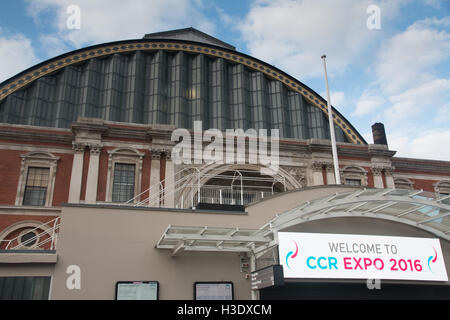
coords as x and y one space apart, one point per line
298 173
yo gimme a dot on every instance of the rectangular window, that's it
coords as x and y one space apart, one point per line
353 182
123 185
36 186
24 288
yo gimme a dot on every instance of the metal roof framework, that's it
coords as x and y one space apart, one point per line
101 51
183 238
420 209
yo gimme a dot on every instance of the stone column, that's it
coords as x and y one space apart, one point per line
317 173
154 178
77 173
92 178
169 183
331 179
86 132
389 177
377 178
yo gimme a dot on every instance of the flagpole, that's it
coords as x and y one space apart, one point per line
332 134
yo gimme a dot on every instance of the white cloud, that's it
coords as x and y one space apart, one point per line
411 88
16 54
368 103
443 114
107 20
337 98
294 34
434 3
409 57
416 100
431 144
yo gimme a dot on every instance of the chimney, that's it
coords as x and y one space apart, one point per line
378 133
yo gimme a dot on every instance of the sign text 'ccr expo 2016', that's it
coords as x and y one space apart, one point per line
314 255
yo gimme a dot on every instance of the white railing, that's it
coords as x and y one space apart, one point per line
188 188
224 195
44 234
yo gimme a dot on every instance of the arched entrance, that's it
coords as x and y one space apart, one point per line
230 185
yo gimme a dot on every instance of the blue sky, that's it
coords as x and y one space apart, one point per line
398 74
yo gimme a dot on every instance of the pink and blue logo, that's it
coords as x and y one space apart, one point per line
432 259
291 254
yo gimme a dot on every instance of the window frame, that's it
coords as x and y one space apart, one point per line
442 188
36 290
125 156
37 159
26 231
403 183
353 172
352 179
114 184
31 186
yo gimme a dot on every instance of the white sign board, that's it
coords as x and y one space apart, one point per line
319 255
145 290
213 291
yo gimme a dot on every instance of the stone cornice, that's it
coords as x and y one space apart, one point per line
420 165
35 136
91 126
378 150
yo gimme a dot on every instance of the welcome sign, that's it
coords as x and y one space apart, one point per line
319 255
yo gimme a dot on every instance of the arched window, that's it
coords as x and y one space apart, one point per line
353 175
442 188
29 234
403 183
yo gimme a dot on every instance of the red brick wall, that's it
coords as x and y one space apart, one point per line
62 181
324 175
8 219
370 182
426 185
102 174
86 158
10 165
9 175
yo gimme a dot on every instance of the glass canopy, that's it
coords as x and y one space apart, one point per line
424 210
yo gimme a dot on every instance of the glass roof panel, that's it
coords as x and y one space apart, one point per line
444 227
399 192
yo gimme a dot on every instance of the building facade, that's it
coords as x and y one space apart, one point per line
86 145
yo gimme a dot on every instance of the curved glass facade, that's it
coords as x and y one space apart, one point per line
166 87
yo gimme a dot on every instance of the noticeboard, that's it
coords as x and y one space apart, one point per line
267 277
137 290
213 291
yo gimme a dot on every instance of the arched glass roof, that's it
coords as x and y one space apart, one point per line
417 208
168 81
